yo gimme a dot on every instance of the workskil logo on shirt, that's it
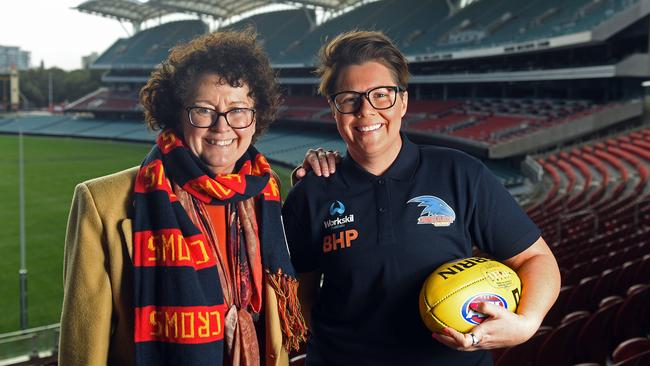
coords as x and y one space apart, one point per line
436 211
337 208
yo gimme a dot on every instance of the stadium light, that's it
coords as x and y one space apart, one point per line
22 272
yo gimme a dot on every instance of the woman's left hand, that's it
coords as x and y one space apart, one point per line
501 329
322 162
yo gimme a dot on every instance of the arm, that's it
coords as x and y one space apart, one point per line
87 299
540 277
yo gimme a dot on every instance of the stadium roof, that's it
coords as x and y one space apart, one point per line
136 11
130 10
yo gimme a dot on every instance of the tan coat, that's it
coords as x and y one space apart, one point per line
97 317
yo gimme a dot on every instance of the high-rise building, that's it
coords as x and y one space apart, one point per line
86 61
14 57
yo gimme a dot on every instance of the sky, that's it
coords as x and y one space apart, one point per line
55 33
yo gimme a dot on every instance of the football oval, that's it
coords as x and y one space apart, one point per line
449 291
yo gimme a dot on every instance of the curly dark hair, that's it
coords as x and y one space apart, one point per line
236 56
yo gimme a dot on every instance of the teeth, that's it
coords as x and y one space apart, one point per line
369 128
221 142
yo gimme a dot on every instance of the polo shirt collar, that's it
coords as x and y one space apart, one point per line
403 168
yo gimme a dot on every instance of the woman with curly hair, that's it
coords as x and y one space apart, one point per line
183 261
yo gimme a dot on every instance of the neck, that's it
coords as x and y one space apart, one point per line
377 164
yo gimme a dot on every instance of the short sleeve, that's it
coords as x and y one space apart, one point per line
297 227
499 226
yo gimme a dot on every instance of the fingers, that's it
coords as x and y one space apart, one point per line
489 309
459 341
300 172
312 162
332 159
322 162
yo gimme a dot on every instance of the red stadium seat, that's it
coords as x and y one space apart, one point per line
558 310
580 298
627 276
595 340
524 354
632 317
558 348
642 359
643 272
606 283
629 348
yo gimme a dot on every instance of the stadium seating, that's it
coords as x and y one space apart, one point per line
277 29
630 348
559 345
147 48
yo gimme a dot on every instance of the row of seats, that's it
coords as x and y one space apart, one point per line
594 216
149 47
488 120
595 336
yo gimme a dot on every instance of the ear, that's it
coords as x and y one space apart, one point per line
405 101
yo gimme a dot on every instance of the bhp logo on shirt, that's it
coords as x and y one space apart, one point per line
341 239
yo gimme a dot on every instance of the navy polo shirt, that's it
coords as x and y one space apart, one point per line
376 238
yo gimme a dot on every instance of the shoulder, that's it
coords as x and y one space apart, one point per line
110 192
454 155
307 189
452 158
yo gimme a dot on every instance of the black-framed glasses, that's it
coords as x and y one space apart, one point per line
381 97
204 117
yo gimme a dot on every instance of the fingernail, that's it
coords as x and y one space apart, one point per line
473 306
446 331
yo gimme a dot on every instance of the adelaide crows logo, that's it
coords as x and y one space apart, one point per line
436 211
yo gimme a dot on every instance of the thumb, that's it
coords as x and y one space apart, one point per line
489 309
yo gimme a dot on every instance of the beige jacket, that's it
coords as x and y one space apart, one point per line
97 316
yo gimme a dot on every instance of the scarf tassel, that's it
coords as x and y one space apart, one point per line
293 325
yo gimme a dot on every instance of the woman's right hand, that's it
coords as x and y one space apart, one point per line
322 162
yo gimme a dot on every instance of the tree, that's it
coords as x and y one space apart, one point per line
67 86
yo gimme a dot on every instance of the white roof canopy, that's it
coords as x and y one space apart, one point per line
138 12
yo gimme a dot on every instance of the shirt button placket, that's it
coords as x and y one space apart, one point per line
384 228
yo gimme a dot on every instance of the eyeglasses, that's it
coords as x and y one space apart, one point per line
204 117
381 97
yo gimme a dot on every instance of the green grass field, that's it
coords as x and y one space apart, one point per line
53 166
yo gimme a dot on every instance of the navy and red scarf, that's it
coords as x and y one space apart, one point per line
179 303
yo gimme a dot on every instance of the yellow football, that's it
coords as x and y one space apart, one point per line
449 291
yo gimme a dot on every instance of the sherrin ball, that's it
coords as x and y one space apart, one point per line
449 291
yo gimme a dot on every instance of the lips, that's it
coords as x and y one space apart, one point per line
368 128
220 142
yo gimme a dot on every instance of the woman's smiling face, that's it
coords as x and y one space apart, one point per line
370 133
219 146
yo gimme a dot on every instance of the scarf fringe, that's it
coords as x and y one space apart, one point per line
292 323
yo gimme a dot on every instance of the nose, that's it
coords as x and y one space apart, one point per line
220 124
365 107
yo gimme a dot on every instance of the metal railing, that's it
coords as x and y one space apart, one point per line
30 347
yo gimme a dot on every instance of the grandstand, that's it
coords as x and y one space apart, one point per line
547 92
